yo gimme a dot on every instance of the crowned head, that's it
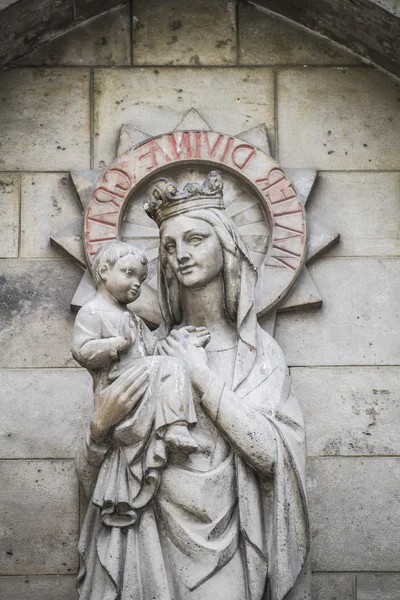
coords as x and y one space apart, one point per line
167 200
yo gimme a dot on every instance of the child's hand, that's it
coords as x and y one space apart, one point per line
198 336
125 337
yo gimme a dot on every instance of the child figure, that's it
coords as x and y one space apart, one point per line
108 340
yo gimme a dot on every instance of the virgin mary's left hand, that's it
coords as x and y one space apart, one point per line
178 345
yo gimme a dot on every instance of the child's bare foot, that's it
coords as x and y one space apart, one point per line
177 437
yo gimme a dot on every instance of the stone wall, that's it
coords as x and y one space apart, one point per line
149 63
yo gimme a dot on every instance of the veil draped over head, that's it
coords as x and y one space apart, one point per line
239 278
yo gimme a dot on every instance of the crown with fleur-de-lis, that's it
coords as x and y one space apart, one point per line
167 200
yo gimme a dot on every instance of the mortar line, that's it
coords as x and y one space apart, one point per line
353 571
309 457
131 32
363 456
347 366
73 573
19 214
41 368
39 459
237 17
301 67
320 171
355 582
335 366
276 99
31 575
91 109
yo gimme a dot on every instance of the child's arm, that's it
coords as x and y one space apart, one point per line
89 349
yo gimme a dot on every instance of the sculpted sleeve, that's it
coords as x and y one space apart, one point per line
88 461
88 348
243 424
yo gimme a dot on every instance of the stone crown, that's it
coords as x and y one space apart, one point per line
167 200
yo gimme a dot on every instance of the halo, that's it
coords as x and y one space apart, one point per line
267 204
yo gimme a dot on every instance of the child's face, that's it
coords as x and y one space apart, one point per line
123 281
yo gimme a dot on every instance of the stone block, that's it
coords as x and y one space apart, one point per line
39 500
354 513
26 24
339 118
104 40
9 210
154 101
350 411
358 323
363 207
45 122
333 586
48 203
38 587
267 39
59 397
378 586
6 3
35 318
87 8
169 32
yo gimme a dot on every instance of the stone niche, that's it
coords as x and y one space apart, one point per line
147 64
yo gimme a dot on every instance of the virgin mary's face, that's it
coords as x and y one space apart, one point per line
193 250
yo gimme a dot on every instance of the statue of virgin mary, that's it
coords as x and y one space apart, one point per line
228 522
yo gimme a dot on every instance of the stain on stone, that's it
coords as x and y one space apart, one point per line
175 25
223 43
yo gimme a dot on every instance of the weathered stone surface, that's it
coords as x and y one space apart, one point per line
87 8
69 241
154 100
378 586
6 3
9 211
38 587
48 203
364 207
105 40
60 398
35 318
169 32
354 512
350 410
333 586
39 502
359 319
267 39
360 26
26 24
45 119
393 6
338 119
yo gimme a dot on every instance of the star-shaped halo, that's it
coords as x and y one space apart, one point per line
139 230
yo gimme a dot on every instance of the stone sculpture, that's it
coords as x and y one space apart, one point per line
229 520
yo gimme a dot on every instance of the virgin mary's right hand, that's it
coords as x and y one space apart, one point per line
116 401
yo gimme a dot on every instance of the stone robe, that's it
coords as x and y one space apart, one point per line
178 549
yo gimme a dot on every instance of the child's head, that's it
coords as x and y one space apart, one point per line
121 269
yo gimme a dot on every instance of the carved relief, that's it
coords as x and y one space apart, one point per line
194 460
